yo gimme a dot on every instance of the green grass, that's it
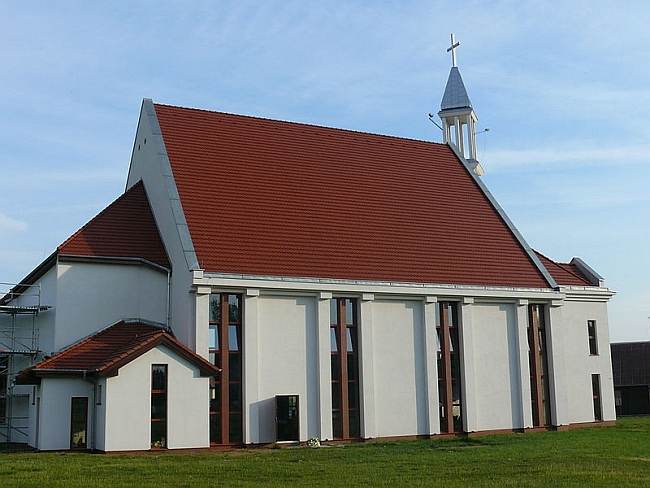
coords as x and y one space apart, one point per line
615 456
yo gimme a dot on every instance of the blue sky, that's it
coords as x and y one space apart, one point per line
565 92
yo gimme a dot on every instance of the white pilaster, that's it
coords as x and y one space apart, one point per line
524 364
250 375
556 364
201 320
324 366
467 367
367 370
431 363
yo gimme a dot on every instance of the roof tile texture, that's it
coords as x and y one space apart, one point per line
126 228
100 350
276 198
564 273
113 346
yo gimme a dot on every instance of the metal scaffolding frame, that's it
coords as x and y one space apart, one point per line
20 305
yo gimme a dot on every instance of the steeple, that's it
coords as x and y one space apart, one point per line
457 115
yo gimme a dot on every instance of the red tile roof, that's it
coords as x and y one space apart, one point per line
564 273
103 353
277 198
126 228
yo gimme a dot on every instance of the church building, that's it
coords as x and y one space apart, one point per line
263 281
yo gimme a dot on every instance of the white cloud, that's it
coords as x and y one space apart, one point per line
8 224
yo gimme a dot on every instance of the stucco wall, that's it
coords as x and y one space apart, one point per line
54 425
150 164
399 362
287 364
92 296
497 394
580 365
128 404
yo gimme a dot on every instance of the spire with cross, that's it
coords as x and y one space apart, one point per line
457 114
452 49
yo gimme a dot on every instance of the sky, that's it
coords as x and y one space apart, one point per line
564 91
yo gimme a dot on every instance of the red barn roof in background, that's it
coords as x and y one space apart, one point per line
266 197
126 228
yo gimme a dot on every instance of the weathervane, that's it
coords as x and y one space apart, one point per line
452 49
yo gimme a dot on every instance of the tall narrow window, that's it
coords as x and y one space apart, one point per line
538 362
158 406
78 422
346 418
449 379
4 375
593 340
595 388
225 349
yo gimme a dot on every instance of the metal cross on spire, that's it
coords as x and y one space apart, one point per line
452 48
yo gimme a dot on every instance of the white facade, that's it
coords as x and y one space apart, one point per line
397 336
84 297
128 404
119 418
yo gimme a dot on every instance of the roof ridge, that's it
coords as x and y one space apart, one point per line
303 124
131 348
102 212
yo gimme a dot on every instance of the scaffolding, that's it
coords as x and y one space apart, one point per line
20 305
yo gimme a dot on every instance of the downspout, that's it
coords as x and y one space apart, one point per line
169 297
93 425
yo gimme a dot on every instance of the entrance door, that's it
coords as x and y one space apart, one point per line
287 418
78 422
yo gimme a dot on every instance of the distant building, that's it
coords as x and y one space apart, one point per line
631 365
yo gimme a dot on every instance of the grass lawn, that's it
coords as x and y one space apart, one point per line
585 457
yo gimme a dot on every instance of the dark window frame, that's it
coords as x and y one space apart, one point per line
345 379
592 335
538 365
85 403
160 392
597 397
449 360
228 414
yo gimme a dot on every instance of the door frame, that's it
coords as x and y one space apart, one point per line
72 400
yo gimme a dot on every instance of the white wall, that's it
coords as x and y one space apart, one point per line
92 296
399 362
149 163
287 364
128 404
54 425
579 365
497 394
